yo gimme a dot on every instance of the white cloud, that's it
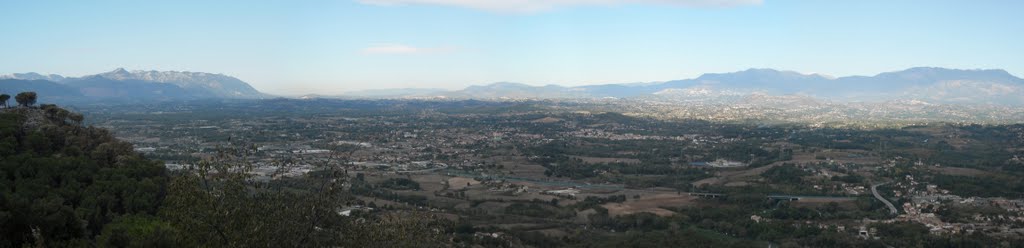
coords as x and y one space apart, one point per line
404 49
524 6
391 49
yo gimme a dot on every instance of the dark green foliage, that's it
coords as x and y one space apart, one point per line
218 208
980 186
67 182
538 210
538 239
640 221
363 188
3 99
786 173
400 184
800 213
26 99
903 234
593 201
139 231
851 178
966 213
223 210
690 237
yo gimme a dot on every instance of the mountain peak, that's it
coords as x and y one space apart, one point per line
758 77
117 74
760 70
218 84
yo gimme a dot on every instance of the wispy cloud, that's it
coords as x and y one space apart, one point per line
404 49
391 49
527 6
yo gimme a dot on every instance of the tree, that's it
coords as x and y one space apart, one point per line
26 99
3 99
76 117
139 231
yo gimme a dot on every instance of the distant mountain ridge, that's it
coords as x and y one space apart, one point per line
922 84
34 76
124 85
931 84
218 84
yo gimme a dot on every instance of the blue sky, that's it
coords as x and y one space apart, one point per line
326 47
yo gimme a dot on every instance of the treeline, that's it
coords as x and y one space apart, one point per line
986 186
24 99
785 174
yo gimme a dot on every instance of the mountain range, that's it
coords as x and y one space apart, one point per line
121 85
923 84
930 84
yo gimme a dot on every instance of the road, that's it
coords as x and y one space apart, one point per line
874 191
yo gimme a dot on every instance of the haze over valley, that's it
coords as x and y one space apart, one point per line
915 95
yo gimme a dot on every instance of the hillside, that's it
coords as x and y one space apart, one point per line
64 184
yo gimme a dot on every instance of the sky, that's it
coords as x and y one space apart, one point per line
330 47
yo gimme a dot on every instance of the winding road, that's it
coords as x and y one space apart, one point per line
874 191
